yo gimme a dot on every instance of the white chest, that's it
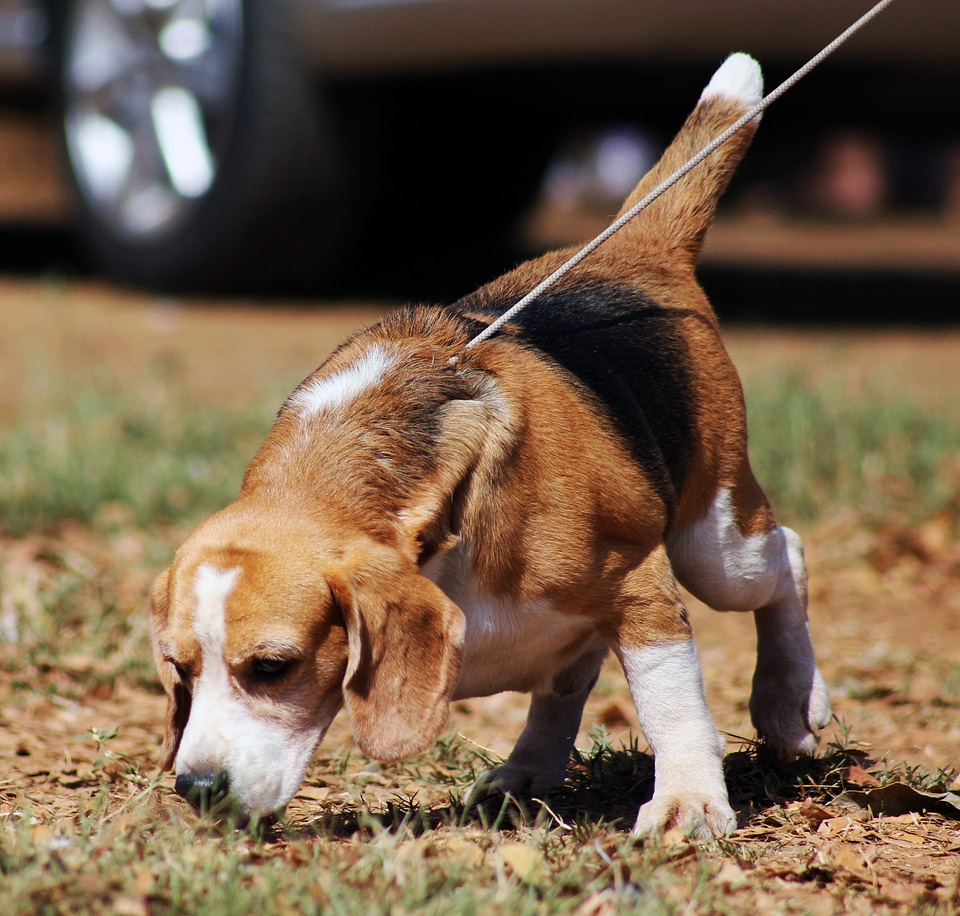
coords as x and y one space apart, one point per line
507 645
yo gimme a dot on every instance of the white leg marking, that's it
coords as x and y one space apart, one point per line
667 687
766 574
264 761
336 391
722 567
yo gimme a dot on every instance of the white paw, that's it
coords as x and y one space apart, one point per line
789 716
700 816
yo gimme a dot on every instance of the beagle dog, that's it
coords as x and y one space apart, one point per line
426 523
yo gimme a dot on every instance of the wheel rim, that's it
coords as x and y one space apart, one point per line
150 92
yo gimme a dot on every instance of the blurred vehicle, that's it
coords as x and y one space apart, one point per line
23 29
261 143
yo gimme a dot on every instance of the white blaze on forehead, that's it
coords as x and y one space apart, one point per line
212 589
338 390
265 761
739 79
211 693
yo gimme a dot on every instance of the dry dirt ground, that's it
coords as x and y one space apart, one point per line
885 602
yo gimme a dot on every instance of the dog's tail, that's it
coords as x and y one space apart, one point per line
680 217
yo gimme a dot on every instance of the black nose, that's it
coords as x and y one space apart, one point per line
205 791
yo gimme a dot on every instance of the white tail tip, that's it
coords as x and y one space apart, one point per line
738 79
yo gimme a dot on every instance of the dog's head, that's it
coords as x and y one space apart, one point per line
259 646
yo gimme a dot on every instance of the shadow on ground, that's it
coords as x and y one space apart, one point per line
604 787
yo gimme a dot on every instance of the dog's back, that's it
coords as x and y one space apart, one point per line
624 323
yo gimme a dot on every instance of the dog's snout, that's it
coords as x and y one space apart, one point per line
205 791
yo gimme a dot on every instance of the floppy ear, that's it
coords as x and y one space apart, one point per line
178 697
430 513
405 640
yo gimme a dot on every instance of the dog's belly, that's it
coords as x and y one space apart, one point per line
518 647
509 645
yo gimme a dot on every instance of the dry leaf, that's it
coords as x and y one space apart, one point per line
899 798
849 861
911 838
522 859
314 793
732 876
912 819
464 851
130 906
857 776
812 813
835 825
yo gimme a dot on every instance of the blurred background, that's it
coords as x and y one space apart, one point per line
200 198
415 148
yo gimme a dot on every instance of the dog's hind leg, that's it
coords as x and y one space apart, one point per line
737 558
790 702
538 762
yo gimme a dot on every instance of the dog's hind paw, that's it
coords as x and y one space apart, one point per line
700 817
789 719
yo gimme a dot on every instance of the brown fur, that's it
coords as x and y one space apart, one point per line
502 455
601 523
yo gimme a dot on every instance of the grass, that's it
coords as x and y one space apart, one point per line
108 476
816 449
76 448
133 849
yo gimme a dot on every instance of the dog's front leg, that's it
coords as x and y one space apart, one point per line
659 657
689 790
538 763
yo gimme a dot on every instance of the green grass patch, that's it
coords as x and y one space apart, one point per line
819 448
75 447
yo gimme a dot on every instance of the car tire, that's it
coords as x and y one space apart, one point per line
203 158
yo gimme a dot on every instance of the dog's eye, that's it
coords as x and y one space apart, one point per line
182 672
270 669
